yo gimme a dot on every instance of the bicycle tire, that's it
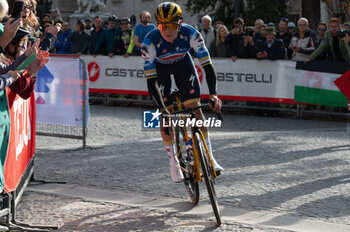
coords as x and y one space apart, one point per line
208 176
192 187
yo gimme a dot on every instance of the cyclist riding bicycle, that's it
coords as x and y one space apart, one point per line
165 51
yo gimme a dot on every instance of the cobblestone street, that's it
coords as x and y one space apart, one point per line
281 174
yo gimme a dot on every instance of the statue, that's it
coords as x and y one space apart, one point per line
86 6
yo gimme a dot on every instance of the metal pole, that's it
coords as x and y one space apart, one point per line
82 62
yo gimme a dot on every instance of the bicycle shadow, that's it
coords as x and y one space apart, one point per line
137 220
274 199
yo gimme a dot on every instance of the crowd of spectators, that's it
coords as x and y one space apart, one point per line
288 41
99 36
19 41
272 40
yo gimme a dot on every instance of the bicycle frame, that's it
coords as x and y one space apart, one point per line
186 138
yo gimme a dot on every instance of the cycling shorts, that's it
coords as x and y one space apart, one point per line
186 80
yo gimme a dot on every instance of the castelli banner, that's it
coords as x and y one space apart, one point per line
244 80
22 139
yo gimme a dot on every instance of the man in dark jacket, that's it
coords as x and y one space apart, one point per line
247 46
110 36
62 45
272 48
96 33
80 40
232 40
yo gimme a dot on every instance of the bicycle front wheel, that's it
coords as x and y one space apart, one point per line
208 175
187 169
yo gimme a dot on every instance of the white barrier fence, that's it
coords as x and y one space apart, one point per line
245 79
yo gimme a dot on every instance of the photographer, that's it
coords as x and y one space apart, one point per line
236 35
248 46
338 41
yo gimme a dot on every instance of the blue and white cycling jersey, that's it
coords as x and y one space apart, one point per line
156 49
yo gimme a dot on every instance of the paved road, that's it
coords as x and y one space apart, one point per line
281 174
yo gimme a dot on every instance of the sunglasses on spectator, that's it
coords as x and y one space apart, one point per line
346 25
27 7
164 26
321 29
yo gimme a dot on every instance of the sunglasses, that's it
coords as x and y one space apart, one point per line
321 29
164 26
346 25
27 7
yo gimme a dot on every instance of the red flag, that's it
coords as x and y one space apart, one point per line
343 84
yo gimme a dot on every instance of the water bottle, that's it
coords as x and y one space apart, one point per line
190 156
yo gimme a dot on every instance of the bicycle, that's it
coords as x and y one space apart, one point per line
190 166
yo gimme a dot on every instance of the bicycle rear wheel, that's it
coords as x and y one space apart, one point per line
208 175
187 169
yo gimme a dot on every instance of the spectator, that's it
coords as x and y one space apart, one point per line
88 26
303 42
96 33
55 15
141 30
271 24
127 37
347 26
30 23
110 36
80 40
339 48
247 46
62 45
291 27
233 38
217 24
283 32
257 25
44 20
272 48
24 85
321 31
261 34
218 48
9 29
208 32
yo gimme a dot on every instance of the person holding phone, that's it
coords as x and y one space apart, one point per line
8 77
8 30
30 23
236 35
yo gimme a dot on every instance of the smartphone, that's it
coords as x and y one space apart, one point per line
17 10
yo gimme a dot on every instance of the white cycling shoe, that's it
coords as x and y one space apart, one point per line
217 166
175 170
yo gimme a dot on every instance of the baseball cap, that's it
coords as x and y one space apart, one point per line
270 30
291 24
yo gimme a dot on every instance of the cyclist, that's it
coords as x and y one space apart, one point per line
165 51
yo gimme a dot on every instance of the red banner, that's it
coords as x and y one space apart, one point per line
22 138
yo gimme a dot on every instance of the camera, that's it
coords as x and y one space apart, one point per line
342 33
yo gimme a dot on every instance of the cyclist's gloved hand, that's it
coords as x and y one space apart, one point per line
217 102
